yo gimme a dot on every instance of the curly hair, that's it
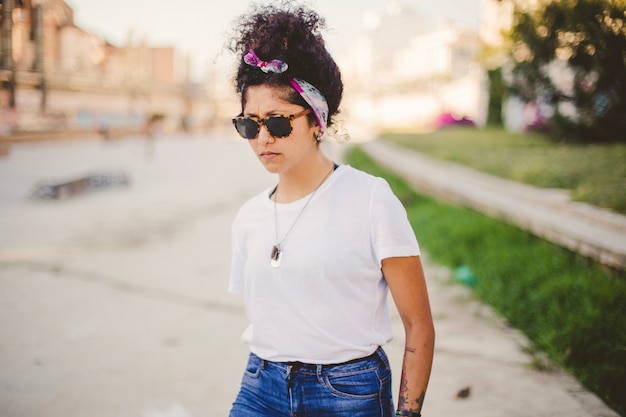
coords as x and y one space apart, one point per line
291 33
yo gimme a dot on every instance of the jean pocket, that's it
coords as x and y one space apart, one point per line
254 366
361 385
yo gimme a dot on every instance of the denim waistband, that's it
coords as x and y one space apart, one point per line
378 355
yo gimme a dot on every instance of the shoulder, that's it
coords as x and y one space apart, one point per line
357 182
371 191
357 178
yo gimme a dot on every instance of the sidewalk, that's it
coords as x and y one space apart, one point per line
477 352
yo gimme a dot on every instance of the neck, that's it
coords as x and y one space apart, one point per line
297 183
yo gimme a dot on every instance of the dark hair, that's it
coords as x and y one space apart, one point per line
291 33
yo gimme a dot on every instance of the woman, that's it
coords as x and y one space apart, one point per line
316 255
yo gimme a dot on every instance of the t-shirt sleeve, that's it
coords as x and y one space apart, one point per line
391 232
237 261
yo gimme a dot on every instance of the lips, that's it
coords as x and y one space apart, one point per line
268 154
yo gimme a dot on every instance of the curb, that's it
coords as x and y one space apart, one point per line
547 213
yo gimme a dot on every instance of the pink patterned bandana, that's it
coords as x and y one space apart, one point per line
276 66
309 93
315 99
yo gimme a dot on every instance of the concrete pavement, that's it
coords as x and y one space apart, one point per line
115 304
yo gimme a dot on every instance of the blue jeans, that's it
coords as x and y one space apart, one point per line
360 388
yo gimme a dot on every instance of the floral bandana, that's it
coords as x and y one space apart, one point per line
309 93
315 99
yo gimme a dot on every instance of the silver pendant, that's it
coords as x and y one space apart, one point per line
276 256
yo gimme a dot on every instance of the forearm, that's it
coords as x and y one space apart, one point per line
406 281
416 367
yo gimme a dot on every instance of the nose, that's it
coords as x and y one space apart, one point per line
264 136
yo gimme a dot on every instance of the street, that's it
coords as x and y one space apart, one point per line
114 302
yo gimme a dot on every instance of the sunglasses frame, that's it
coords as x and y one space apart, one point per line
261 121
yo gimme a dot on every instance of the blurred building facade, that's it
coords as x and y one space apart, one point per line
411 69
57 76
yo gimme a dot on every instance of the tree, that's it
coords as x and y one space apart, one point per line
496 95
569 58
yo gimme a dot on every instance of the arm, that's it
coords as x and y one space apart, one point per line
405 278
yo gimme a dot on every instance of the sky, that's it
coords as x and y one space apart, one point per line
200 27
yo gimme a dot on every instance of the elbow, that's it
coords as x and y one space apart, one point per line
423 330
428 332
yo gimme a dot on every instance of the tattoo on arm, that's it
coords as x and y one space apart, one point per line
404 403
404 392
420 401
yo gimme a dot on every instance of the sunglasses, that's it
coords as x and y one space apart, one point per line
278 126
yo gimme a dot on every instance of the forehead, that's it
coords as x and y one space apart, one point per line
257 95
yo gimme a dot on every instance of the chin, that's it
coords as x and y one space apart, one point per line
272 167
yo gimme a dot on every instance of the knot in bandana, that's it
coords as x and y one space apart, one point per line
276 66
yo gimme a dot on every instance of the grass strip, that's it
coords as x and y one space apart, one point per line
593 173
570 307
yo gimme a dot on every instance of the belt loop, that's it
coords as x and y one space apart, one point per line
382 357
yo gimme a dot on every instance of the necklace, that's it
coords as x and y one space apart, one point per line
277 253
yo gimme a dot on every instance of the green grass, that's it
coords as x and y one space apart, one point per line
570 307
595 174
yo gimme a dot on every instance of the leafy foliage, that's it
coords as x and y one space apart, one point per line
570 59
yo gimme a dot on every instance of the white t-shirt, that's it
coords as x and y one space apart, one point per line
327 301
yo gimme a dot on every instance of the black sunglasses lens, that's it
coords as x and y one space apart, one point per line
279 126
247 128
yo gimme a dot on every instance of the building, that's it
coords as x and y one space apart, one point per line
412 69
58 76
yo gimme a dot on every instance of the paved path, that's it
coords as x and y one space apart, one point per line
548 213
114 303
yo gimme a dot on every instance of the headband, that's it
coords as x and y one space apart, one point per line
315 99
309 93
